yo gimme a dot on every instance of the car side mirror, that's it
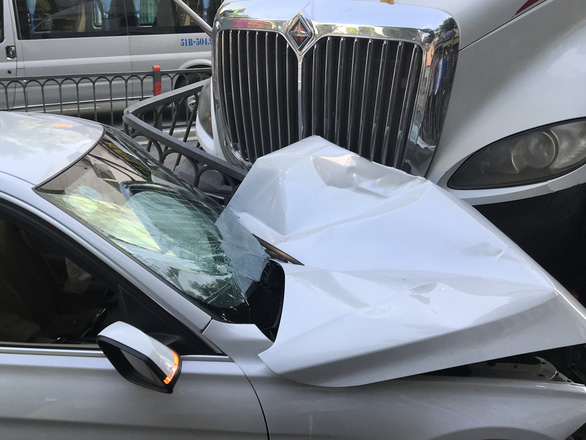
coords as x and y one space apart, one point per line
139 358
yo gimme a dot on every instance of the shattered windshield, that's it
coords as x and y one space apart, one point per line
180 234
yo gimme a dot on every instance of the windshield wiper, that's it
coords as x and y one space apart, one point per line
277 253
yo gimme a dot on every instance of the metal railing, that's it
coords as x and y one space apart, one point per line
164 125
101 97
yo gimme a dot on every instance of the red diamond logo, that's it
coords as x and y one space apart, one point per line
300 32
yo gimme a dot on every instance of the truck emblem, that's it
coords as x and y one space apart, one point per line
300 32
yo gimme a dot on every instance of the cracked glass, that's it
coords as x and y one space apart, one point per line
171 228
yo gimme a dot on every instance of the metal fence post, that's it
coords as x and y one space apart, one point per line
156 80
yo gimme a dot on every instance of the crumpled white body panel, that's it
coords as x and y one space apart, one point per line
399 277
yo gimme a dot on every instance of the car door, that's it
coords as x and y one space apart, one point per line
57 384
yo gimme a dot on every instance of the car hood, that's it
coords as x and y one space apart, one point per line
398 278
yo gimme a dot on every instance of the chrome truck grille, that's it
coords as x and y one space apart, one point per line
278 82
258 92
359 93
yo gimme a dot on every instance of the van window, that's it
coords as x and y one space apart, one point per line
165 17
61 18
86 18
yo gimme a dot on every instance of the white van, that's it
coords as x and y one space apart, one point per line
79 37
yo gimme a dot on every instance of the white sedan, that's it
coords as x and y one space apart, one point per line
331 298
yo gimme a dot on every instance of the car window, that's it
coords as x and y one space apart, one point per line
46 297
175 231
53 292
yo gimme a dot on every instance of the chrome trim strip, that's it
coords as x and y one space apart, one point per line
316 59
45 351
278 95
288 104
272 134
394 89
353 85
92 352
249 96
406 114
365 98
339 91
301 124
325 81
240 55
382 74
260 90
205 358
224 80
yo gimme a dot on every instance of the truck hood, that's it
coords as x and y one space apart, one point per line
399 277
475 18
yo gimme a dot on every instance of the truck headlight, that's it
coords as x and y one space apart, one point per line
530 157
204 109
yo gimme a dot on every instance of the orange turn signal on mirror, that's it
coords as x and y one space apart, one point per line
169 378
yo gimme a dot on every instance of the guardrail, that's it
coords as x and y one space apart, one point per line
101 97
164 125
